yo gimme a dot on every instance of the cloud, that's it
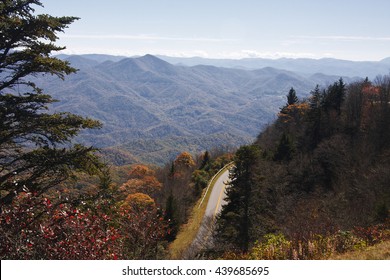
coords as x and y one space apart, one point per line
130 53
144 37
345 38
266 54
239 54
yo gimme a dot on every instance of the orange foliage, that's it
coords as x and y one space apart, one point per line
294 112
139 201
141 227
142 180
139 171
184 160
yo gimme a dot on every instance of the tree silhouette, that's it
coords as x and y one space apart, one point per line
292 97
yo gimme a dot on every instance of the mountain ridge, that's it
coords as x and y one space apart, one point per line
149 99
304 66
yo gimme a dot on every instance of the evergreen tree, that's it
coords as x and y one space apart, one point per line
36 152
285 149
205 160
234 222
316 101
172 170
292 97
171 217
316 98
335 96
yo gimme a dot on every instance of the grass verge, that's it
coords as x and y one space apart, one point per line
379 251
188 231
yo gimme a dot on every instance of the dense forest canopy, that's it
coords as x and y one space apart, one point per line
320 169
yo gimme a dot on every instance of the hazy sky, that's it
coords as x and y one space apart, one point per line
346 29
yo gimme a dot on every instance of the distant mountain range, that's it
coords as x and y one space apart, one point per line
302 66
151 109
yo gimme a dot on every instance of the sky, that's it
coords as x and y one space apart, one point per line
344 29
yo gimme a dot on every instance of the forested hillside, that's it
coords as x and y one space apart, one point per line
152 110
316 181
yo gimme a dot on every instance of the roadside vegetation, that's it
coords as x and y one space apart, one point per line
182 246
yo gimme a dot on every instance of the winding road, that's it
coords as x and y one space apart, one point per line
214 206
217 196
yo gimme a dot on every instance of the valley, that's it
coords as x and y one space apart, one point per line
152 110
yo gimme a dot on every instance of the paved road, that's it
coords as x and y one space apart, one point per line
217 195
214 206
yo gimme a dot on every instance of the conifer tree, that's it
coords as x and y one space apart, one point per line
335 96
292 97
36 149
285 149
234 223
316 101
171 218
205 161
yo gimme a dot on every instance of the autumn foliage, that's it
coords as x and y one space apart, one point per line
142 179
36 227
319 184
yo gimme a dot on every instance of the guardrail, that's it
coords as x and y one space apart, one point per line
212 180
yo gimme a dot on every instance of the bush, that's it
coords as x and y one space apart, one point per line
273 247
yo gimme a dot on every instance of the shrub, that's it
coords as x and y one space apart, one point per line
273 247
